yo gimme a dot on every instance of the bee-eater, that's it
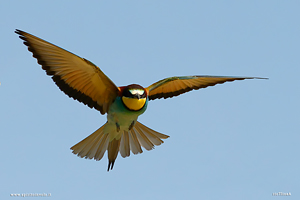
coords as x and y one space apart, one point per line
84 81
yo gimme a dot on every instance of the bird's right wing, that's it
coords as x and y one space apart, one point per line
75 76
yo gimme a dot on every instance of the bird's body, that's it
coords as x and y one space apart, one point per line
82 80
120 115
120 121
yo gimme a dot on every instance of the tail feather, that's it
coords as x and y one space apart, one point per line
145 142
153 136
90 151
84 148
113 150
95 145
102 146
124 145
135 146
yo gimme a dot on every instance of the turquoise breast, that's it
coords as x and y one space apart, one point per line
118 113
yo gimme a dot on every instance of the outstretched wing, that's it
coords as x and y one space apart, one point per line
174 86
75 76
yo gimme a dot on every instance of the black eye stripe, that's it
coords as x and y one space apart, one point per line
134 91
126 93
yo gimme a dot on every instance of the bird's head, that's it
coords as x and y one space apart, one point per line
134 97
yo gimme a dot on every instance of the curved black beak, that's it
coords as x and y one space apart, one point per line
137 96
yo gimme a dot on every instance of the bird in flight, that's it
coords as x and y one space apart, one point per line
83 81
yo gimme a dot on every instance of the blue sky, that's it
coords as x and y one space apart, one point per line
238 140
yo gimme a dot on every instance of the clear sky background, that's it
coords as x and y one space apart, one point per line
238 140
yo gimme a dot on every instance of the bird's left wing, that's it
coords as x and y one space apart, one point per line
174 86
75 76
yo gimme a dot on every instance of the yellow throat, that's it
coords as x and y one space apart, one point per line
134 104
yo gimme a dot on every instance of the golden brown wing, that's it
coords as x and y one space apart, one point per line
75 76
174 86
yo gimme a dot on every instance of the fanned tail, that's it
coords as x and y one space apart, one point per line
95 145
